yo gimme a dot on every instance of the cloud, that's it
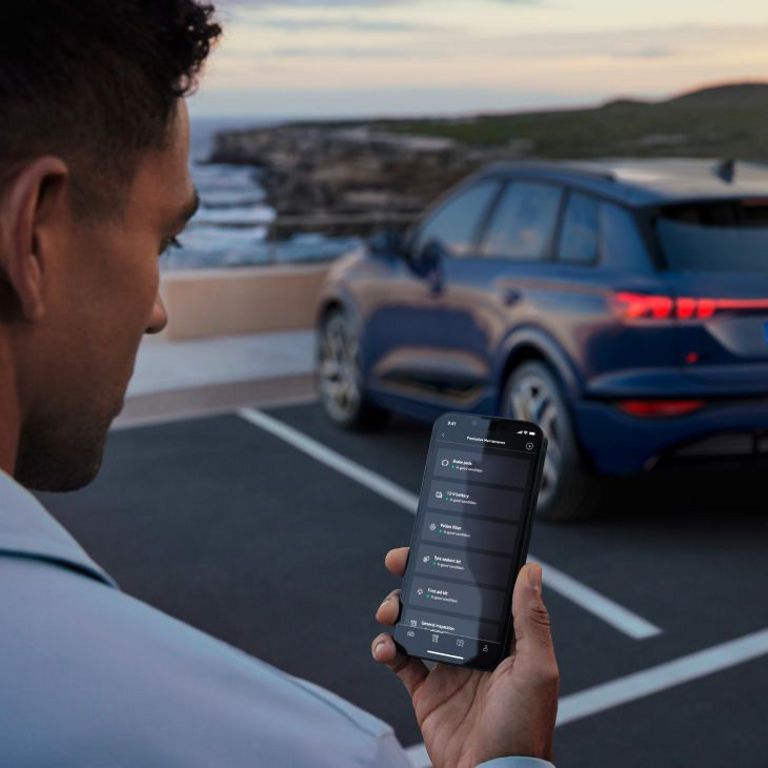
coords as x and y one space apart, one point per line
319 4
337 52
643 60
644 53
453 45
290 24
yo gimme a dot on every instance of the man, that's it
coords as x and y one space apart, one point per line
93 185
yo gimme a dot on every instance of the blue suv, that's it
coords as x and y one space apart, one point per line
621 305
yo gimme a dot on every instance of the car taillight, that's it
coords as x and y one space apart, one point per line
649 306
640 305
659 408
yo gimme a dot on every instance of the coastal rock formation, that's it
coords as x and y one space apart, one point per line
399 166
316 170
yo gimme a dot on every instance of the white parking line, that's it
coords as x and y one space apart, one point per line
663 676
598 605
610 611
645 683
372 480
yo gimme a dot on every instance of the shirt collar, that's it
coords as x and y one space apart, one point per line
28 530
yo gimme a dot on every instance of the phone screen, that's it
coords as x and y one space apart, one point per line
470 538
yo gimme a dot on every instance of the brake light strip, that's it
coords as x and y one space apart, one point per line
659 307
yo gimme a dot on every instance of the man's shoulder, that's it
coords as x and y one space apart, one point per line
85 661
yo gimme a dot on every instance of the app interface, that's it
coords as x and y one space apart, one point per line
475 491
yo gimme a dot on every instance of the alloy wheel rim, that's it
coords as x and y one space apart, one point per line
531 399
338 370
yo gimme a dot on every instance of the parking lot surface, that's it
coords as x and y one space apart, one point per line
277 548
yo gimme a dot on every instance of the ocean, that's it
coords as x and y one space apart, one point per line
231 228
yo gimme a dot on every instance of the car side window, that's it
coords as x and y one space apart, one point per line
580 234
456 224
523 223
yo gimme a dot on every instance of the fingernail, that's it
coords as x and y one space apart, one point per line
384 602
379 646
534 576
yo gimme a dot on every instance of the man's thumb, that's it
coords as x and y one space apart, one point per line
533 636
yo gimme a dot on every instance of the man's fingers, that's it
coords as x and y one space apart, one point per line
389 610
396 559
411 672
533 649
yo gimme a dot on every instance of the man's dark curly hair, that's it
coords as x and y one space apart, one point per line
96 82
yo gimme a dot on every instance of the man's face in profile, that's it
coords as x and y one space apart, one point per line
101 280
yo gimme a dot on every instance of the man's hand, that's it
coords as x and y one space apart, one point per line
467 716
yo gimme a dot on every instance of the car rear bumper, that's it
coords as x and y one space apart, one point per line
621 444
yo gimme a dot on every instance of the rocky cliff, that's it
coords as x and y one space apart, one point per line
400 166
351 170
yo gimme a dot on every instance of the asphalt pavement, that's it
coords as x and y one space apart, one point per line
232 528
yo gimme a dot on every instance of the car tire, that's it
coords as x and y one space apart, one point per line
338 377
568 490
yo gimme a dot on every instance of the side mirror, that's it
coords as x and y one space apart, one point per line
388 242
429 258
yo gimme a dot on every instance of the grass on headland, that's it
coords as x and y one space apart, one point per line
723 121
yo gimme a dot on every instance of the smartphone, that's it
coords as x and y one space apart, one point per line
470 539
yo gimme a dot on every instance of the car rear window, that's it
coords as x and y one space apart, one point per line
730 235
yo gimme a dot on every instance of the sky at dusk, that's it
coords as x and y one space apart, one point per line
296 58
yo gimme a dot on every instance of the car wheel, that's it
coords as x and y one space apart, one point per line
568 491
339 381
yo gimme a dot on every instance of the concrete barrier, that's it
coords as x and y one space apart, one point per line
221 302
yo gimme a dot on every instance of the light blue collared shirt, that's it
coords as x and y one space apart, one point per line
93 677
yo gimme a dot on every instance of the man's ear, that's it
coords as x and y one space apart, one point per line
29 207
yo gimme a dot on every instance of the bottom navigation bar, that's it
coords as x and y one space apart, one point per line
449 646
